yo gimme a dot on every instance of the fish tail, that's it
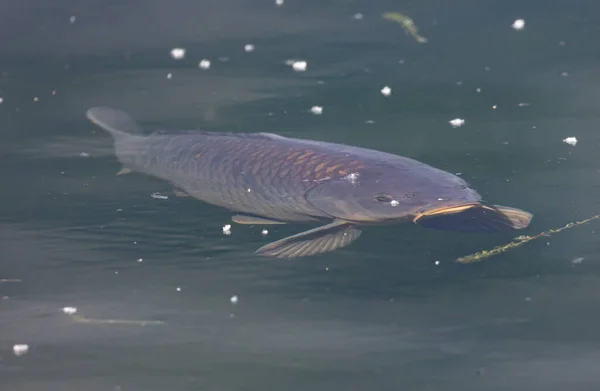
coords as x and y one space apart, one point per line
119 124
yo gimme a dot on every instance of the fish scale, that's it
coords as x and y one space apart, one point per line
223 168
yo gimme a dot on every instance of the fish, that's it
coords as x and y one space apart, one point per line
267 179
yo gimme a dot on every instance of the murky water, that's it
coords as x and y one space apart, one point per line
392 311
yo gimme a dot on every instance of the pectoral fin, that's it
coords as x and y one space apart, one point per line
315 241
251 219
124 171
476 218
180 193
518 218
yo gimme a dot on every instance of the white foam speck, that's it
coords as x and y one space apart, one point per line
20 349
394 203
158 196
265 232
204 64
178 53
571 141
317 110
299 66
352 177
249 48
227 229
386 91
457 122
518 24
69 310
234 299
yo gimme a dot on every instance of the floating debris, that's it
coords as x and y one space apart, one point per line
571 141
577 261
352 177
204 64
386 91
407 24
158 196
249 48
264 232
234 299
20 349
227 229
518 241
82 319
518 24
317 110
178 53
69 310
394 203
457 122
299 66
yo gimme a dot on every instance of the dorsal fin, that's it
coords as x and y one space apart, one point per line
255 136
116 122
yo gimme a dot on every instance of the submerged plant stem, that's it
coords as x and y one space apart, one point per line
521 240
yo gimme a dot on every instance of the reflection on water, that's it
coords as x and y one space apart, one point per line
391 311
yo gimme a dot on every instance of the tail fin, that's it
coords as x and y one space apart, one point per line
118 123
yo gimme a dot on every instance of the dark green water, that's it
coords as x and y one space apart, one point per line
377 315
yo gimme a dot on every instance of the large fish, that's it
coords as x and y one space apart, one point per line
271 179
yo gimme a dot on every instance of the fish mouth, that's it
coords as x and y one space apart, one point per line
447 210
473 217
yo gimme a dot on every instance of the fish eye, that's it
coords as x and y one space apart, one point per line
383 197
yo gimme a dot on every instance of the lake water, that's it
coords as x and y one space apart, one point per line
393 311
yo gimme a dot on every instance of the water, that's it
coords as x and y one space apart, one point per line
379 314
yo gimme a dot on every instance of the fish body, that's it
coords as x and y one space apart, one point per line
271 179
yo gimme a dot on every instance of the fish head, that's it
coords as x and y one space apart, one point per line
429 197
